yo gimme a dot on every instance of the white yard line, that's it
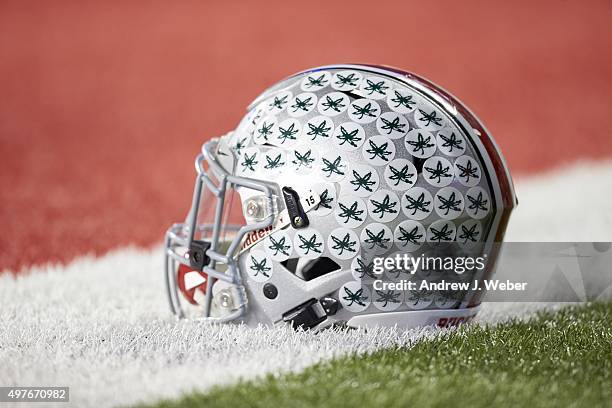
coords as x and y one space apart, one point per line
102 327
567 205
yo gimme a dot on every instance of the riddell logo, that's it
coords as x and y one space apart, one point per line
453 321
256 236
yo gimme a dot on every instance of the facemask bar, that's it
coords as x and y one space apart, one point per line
175 236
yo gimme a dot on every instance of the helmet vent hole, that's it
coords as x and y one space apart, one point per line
309 269
418 163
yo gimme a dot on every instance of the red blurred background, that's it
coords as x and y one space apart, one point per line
103 106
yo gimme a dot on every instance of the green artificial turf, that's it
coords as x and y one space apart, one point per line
553 360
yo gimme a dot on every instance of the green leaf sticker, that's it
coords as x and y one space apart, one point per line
401 101
417 203
240 144
327 198
259 266
400 174
301 104
378 150
308 243
377 237
333 167
364 181
319 127
429 120
354 297
333 104
315 81
419 299
469 232
450 142
278 246
349 136
274 160
420 143
392 124
441 231
364 111
288 131
437 171
343 243
409 235
449 203
303 158
446 299
346 80
477 201
249 160
350 211
383 206
375 87
264 130
467 171
363 270
387 300
279 102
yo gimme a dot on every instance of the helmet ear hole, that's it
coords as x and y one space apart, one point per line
309 269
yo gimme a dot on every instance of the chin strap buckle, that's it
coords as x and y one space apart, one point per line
297 215
198 258
311 313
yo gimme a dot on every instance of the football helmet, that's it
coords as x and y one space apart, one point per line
329 169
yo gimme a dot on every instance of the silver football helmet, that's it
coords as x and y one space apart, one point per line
330 168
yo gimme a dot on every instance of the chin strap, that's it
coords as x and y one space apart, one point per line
311 313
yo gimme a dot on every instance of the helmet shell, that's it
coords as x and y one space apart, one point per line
397 163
